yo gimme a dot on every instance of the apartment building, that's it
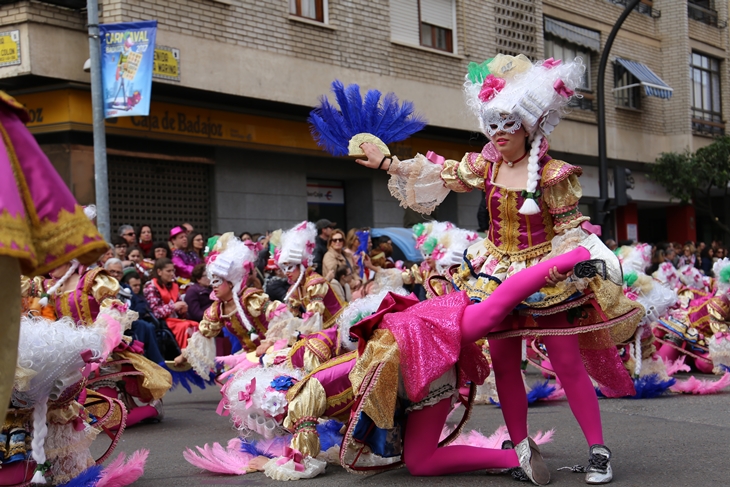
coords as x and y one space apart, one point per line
227 147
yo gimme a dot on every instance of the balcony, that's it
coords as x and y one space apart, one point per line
644 7
702 14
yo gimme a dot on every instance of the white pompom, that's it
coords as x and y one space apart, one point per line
529 207
254 337
43 301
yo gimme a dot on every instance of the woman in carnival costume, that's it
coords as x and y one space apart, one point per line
242 312
310 295
41 228
128 375
533 205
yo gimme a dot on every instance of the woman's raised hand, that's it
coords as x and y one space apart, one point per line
374 155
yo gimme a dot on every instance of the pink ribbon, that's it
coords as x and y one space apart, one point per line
292 454
551 63
722 335
438 252
302 226
435 158
221 409
91 363
491 86
563 90
310 247
247 394
591 228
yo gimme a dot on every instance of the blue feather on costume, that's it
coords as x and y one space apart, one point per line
185 379
650 386
87 478
329 434
385 118
539 391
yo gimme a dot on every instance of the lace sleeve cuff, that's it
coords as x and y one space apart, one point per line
417 184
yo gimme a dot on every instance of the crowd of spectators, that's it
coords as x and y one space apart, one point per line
696 254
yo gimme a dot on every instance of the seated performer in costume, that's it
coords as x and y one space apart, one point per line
82 298
310 293
244 313
533 205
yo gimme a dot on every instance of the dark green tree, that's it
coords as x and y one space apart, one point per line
697 177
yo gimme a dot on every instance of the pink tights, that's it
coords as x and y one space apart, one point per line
423 457
485 317
137 414
568 365
423 429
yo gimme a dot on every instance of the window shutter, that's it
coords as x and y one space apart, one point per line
438 12
404 21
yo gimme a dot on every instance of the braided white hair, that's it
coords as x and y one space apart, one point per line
530 206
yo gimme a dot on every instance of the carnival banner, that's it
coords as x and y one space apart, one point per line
127 55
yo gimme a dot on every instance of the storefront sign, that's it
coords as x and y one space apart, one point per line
10 48
325 195
167 63
127 52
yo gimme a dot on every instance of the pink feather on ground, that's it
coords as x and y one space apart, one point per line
701 386
676 366
119 474
217 459
495 440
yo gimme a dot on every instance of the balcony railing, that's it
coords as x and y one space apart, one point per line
645 7
703 14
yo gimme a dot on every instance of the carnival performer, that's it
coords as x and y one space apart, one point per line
35 205
129 376
533 205
384 370
166 302
242 311
47 434
185 260
309 294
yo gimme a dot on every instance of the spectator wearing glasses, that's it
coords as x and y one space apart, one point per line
127 233
335 255
114 268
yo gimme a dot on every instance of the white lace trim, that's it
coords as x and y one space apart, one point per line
417 184
200 353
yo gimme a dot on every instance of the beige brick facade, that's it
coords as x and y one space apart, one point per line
355 44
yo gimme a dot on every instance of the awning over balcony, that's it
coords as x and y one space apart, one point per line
653 84
572 33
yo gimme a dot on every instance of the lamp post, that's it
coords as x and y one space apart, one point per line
101 176
602 206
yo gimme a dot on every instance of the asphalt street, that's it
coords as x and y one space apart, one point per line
678 440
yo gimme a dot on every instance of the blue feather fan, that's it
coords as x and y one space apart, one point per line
383 117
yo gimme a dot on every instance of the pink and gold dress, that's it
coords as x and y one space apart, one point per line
40 222
595 308
315 295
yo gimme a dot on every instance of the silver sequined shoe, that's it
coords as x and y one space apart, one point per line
603 262
531 462
599 465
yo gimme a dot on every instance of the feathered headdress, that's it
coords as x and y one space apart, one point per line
508 92
443 242
380 121
233 261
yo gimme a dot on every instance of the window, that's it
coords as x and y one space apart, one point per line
565 51
702 10
706 107
427 23
309 9
436 37
626 88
